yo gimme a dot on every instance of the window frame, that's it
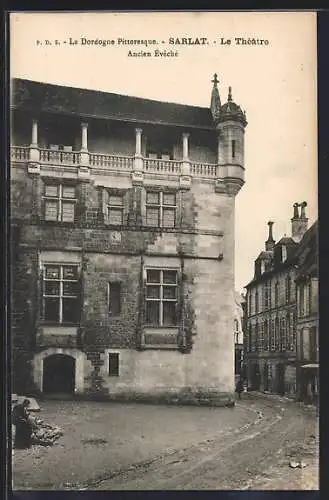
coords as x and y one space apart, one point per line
118 208
117 355
233 149
110 287
161 207
60 200
60 296
161 300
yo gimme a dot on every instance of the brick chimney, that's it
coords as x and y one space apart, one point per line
269 243
299 221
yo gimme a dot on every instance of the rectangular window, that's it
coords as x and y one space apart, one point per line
272 335
277 334
115 210
233 149
60 202
113 364
266 339
160 209
161 297
283 338
61 294
257 337
302 300
261 337
114 298
266 296
309 298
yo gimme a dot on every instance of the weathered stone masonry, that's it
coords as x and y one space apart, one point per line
192 358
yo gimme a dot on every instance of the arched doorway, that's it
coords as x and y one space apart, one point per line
59 374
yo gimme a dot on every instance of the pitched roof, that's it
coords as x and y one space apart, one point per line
265 255
38 96
286 240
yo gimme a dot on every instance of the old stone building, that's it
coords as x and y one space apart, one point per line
271 312
123 243
238 332
307 284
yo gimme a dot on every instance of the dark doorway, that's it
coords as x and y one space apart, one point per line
59 374
280 369
255 377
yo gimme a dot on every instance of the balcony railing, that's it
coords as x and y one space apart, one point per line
203 170
59 157
19 153
162 166
111 162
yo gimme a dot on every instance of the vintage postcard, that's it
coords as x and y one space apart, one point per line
164 317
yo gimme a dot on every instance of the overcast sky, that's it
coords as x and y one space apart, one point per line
275 84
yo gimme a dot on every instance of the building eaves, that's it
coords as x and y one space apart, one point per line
45 97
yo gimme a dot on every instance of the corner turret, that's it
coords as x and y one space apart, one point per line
230 122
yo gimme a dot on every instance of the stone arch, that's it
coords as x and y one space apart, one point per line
78 357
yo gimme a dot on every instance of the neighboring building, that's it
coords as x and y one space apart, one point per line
238 332
307 317
271 312
123 243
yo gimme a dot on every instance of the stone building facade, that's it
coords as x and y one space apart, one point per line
307 285
123 244
271 322
238 333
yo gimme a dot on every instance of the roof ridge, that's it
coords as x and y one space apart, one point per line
98 91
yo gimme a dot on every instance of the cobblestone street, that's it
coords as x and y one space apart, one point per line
110 446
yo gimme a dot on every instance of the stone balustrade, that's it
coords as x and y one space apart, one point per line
112 162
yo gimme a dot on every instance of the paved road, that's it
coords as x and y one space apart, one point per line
231 461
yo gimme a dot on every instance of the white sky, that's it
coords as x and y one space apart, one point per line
275 84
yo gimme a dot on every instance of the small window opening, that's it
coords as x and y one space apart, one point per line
113 364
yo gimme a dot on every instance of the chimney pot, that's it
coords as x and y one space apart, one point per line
269 244
303 206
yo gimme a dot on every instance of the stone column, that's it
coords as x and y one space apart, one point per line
185 146
185 178
137 175
34 141
84 136
34 150
84 155
138 141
